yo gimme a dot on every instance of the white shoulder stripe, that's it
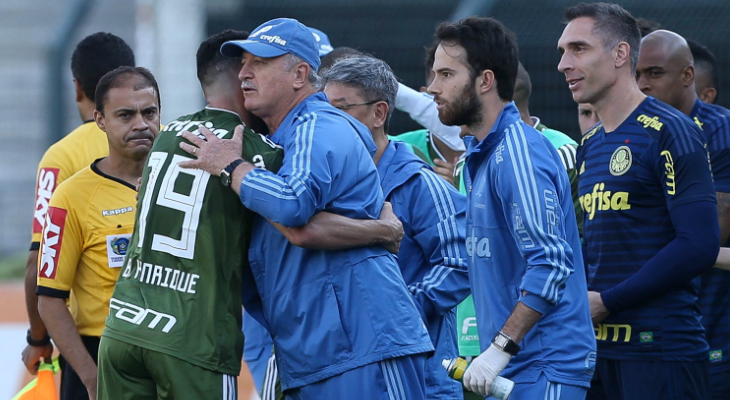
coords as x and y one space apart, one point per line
442 198
530 196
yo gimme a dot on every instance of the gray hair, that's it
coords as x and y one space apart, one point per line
371 76
313 78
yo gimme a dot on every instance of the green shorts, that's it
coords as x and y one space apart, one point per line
131 372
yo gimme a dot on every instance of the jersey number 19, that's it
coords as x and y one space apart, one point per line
190 205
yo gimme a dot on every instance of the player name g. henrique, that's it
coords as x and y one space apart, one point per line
158 275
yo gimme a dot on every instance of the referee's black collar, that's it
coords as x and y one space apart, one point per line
103 175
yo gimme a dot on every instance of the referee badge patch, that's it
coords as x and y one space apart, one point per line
620 161
116 249
715 355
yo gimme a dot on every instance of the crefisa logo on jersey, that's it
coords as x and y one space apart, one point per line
51 242
620 161
47 179
116 249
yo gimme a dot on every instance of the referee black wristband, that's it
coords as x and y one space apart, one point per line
37 343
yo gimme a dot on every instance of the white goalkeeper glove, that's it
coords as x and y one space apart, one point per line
479 376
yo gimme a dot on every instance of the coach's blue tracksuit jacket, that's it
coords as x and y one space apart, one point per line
328 311
523 245
432 255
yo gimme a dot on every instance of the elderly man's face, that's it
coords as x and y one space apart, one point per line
266 83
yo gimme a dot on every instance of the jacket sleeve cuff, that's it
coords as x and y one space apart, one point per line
611 301
537 303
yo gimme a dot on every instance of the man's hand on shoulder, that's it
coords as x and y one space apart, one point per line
211 153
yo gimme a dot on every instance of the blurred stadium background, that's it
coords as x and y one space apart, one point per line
37 102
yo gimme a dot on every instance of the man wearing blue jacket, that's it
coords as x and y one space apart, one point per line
339 319
432 255
525 264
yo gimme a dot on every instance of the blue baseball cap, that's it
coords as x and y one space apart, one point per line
323 42
276 38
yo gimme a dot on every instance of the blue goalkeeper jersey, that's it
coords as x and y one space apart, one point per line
629 179
714 294
523 246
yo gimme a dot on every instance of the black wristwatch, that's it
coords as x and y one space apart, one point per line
37 343
227 171
506 344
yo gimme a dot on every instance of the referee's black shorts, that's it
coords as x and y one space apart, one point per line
71 386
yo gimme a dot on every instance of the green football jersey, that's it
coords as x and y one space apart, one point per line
180 290
420 143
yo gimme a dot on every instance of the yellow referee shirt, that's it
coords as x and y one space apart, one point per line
88 227
64 158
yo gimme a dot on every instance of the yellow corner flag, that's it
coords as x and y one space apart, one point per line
43 387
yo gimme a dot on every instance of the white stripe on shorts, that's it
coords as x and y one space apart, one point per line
393 380
553 391
268 391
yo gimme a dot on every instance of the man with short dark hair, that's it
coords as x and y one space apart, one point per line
650 216
174 326
525 263
337 53
666 71
89 222
647 26
707 82
93 57
340 319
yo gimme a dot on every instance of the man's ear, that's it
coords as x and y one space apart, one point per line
688 75
485 81
301 76
623 54
99 119
381 114
80 95
708 95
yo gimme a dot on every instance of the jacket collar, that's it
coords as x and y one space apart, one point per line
283 129
508 116
397 165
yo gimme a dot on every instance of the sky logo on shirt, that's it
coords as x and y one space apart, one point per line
51 242
47 179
